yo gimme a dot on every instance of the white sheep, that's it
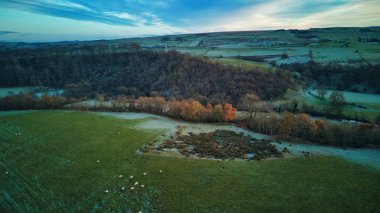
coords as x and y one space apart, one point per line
120 176
132 188
144 173
137 183
106 191
131 177
142 186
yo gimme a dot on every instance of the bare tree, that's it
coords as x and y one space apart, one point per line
253 104
322 92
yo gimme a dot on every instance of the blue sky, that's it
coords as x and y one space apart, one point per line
57 20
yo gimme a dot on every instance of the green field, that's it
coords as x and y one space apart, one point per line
340 45
52 167
370 101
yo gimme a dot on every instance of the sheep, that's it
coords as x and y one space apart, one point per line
131 177
132 188
137 183
120 176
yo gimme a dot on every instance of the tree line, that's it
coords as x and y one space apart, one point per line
30 101
186 109
261 118
318 131
341 77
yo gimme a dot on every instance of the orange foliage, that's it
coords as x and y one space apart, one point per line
191 110
320 124
229 112
286 124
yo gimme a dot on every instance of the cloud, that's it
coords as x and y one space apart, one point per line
274 14
127 18
7 32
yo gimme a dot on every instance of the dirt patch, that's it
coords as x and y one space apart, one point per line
218 144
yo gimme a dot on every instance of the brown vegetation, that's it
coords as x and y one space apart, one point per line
220 144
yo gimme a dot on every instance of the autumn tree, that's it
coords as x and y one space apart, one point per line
253 104
304 126
174 108
185 110
217 113
46 101
286 125
229 112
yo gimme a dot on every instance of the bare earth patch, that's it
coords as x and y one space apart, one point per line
218 144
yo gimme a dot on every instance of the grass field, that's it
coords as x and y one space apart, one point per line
52 167
370 101
244 64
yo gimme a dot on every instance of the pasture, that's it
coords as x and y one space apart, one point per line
65 161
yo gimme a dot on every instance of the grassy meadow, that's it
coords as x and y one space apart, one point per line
67 161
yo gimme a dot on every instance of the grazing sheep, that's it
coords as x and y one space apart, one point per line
160 171
142 186
137 183
132 188
98 161
144 173
122 188
120 176
6 173
106 191
131 177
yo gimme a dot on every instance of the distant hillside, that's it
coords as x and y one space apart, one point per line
88 70
322 45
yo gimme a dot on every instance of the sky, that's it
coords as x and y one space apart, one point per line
64 20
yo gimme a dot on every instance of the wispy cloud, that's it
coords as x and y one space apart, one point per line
126 18
7 32
286 14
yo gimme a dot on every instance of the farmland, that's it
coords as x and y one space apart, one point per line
340 45
81 162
